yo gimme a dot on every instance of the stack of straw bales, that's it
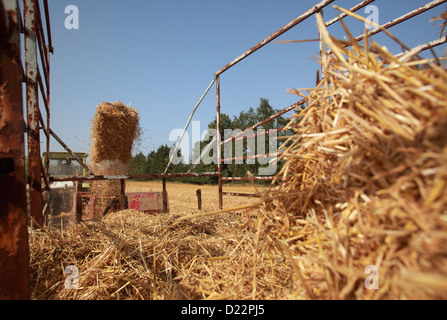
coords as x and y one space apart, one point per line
366 179
115 127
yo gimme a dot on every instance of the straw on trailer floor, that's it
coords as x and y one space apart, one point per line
133 255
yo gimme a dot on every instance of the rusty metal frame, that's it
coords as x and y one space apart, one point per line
316 9
32 107
14 248
16 185
37 80
137 177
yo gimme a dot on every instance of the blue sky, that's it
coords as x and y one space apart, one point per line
160 56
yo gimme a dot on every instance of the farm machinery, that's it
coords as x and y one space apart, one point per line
76 201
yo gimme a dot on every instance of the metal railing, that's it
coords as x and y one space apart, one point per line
37 79
14 281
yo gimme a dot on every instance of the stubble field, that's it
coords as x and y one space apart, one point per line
183 199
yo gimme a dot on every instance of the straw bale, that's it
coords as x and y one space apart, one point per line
114 129
366 175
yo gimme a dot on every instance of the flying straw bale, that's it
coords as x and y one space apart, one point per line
115 127
366 179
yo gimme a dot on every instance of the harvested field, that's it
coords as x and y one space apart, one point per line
183 199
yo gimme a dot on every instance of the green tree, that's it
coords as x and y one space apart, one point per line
243 121
138 164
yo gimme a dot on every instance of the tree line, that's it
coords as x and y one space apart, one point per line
156 161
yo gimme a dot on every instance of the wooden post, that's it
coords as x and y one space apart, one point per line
199 199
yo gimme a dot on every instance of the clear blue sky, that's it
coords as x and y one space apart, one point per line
161 55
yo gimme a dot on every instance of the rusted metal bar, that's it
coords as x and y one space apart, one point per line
353 9
42 50
46 95
264 133
426 46
47 159
275 35
83 165
44 59
47 20
259 134
32 106
46 169
237 194
85 179
42 43
280 113
14 248
139 176
404 17
187 124
45 177
42 92
269 155
248 178
44 127
219 143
